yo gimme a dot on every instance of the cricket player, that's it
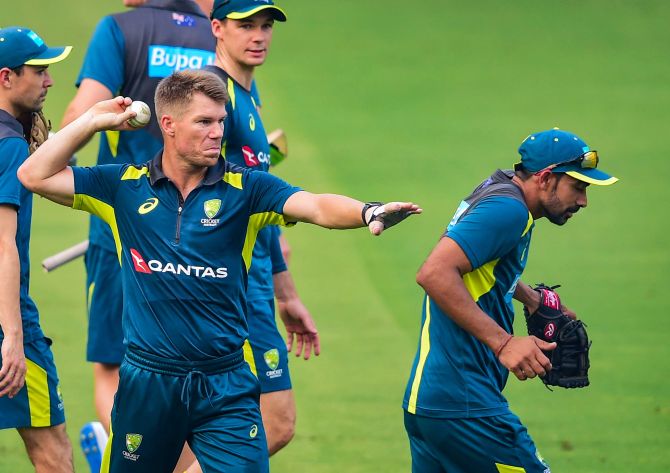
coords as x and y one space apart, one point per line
243 31
184 225
30 399
456 417
129 53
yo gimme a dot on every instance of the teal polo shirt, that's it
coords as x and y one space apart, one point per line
184 263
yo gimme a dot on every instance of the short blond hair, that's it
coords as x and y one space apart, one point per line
174 93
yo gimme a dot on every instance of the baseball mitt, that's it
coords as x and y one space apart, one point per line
39 131
570 358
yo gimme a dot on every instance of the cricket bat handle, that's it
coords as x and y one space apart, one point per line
65 256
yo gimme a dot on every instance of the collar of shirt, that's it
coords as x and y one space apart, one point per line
11 126
213 175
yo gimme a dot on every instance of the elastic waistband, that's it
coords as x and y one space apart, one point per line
159 364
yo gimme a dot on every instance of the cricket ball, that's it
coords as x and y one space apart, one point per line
143 114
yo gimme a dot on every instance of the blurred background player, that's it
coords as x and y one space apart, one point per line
456 417
30 398
129 54
243 31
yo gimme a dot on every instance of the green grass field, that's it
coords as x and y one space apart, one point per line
420 101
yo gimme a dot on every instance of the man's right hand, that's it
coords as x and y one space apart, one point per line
13 371
111 114
523 356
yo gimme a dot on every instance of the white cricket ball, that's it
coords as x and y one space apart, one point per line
143 114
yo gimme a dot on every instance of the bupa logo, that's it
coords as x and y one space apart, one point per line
155 266
164 60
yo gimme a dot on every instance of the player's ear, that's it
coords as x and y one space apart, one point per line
167 124
217 27
544 178
4 76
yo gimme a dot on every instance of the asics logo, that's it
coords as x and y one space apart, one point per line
148 206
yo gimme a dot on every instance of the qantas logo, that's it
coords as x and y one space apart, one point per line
249 156
251 159
155 266
139 263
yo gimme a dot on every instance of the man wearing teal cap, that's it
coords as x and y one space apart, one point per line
243 31
30 398
456 417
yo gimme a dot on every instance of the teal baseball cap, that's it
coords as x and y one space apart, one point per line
19 46
240 9
562 151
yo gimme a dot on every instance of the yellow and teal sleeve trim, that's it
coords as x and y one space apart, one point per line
423 355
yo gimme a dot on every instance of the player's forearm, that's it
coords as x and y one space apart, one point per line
10 309
527 296
334 211
284 286
446 288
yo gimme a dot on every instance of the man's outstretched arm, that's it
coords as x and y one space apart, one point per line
46 171
341 212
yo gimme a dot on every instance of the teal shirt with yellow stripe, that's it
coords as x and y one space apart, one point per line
245 143
184 263
454 375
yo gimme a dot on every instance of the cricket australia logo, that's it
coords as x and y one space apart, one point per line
271 358
133 442
212 208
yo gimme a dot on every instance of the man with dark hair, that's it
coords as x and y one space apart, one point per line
30 399
185 225
456 416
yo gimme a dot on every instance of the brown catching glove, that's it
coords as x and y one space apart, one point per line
39 131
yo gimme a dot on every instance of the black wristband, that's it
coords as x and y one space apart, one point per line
366 207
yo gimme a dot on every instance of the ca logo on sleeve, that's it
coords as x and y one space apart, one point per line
271 358
133 442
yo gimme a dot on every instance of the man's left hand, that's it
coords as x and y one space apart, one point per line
300 327
385 216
